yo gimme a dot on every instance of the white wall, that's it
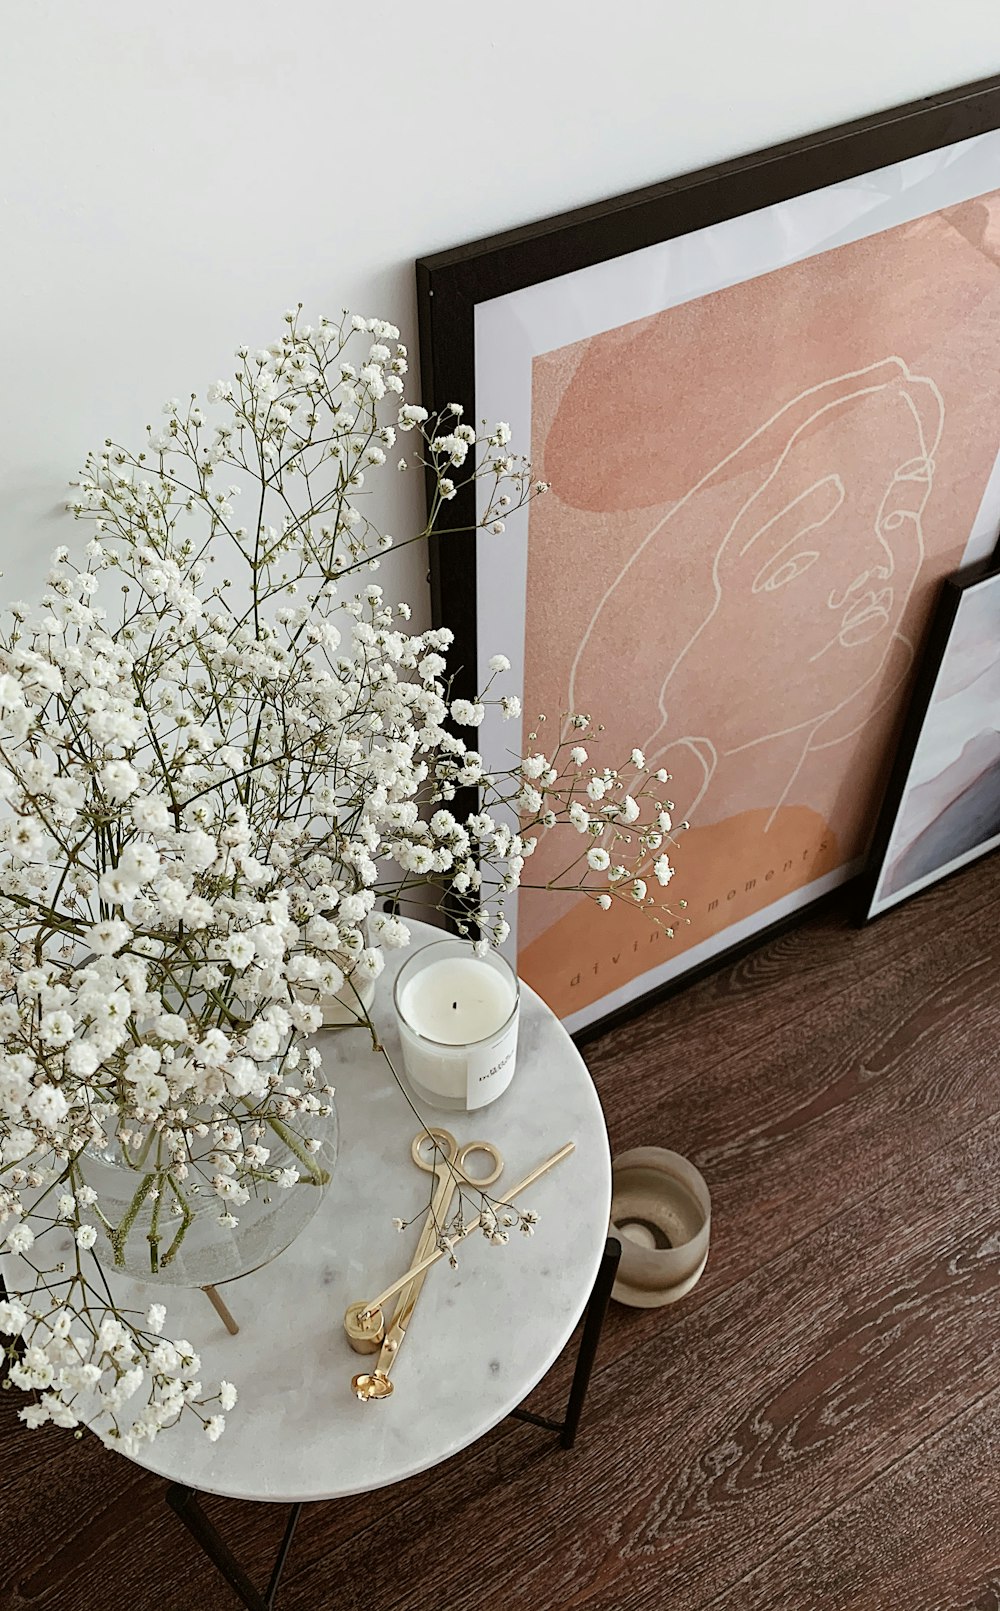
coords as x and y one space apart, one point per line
173 178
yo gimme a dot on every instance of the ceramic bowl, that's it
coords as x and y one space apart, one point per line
661 1212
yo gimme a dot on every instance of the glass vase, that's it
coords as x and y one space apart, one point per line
174 1236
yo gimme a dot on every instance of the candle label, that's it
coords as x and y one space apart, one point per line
489 1069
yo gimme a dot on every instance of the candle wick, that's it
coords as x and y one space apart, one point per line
455 1005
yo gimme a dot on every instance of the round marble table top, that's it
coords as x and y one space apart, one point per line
481 1336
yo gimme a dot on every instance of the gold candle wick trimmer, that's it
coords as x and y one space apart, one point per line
365 1322
449 1164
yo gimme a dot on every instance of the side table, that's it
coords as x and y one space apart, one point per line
490 1329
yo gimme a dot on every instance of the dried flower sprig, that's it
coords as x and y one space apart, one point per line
219 746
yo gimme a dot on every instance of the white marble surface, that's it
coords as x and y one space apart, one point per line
481 1336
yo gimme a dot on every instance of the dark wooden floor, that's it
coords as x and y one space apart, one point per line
816 1428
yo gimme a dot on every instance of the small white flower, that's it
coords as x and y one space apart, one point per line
57 1028
604 902
140 862
11 697
82 1058
119 780
499 662
410 414
597 788
151 1091
33 1415
240 950
20 1239
262 1041
227 1396
638 889
598 858
156 1315
578 755
13 1318
117 887
663 870
214 1427
467 712
48 1105
638 759
86 1236
152 816
108 937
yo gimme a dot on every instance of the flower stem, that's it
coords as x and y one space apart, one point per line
186 1217
315 1175
119 1237
153 1234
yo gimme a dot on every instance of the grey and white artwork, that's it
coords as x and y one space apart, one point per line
950 809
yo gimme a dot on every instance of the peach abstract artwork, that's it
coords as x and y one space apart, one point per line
755 496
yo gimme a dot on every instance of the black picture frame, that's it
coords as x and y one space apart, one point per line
452 284
879 900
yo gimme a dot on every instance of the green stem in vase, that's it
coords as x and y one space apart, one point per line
315 1174
143 1153
119 1237
153 1234
186 1217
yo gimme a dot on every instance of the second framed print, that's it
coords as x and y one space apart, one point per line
942 809
767 399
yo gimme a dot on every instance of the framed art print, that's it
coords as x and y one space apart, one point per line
767 399
942 809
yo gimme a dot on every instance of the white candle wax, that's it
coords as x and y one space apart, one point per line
457 1001
458 1025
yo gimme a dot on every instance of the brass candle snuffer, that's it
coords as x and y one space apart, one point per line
448 1162
364 1323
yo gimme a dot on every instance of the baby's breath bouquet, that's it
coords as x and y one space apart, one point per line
225 765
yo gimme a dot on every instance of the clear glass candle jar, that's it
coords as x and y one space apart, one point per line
458 1016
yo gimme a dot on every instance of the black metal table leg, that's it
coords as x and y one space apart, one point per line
593 1325
185 1502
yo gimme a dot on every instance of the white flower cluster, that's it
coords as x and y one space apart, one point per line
78 1372
627 829
496 1220
219 750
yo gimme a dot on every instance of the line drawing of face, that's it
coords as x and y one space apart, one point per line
811 577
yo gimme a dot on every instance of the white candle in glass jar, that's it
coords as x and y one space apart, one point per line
458 1024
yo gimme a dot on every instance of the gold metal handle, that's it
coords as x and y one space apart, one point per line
508 1197
436 1217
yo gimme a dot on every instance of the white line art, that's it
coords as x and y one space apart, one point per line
868 609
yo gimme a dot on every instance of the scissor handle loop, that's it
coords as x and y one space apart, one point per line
461 1162
454 1156
445 1142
